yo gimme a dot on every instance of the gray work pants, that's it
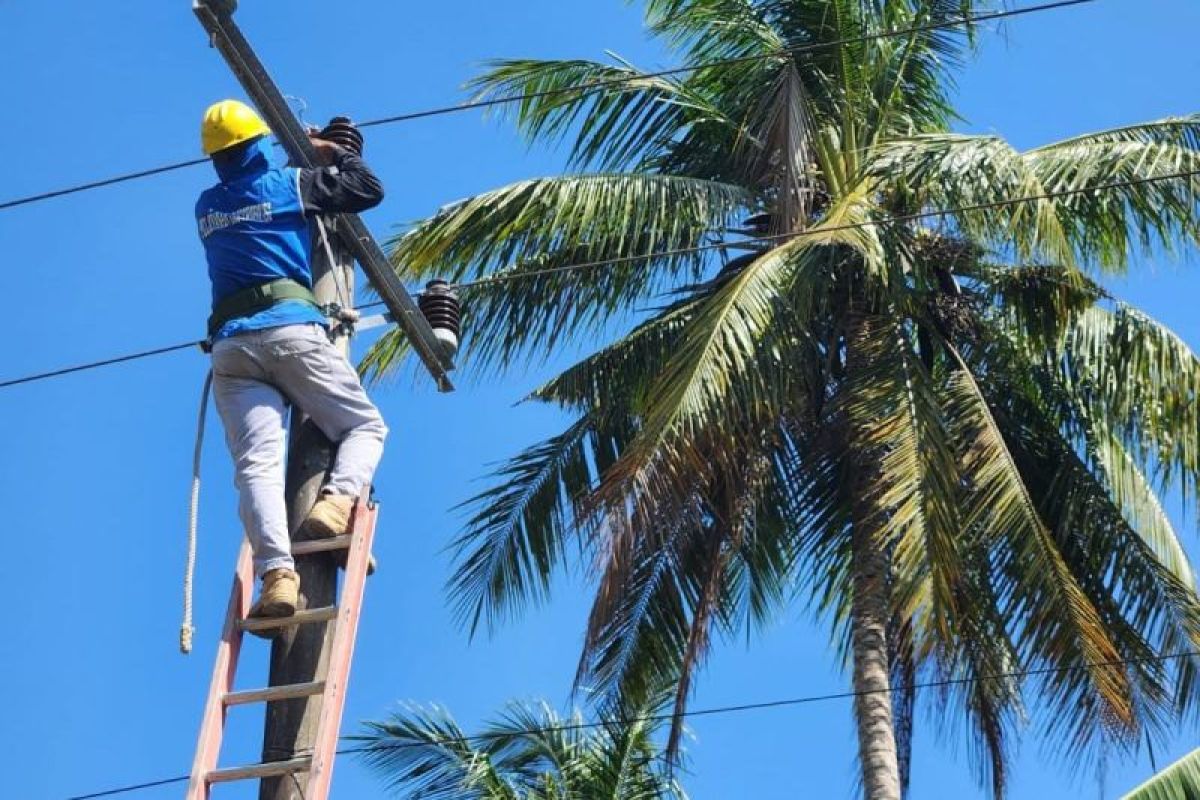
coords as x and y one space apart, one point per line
255 375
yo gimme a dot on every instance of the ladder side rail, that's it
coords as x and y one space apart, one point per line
212 727
342 649
215 16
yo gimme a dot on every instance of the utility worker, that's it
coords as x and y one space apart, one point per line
270 346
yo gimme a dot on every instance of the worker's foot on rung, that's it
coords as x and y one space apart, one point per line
330 516
278 598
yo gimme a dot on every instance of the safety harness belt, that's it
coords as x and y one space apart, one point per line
253 299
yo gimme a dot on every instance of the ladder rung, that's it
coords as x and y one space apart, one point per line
321 545
299 618
272 693
267 770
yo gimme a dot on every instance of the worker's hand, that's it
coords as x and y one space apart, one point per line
326 150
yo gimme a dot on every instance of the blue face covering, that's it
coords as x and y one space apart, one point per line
243 160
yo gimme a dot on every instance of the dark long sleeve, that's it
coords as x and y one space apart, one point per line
348 185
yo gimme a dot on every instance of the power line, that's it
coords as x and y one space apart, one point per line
793 701
83 187
592 86
716 710
584 89
886 220
131 788
41 376
587 265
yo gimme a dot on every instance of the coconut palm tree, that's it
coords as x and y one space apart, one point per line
939 430
529 753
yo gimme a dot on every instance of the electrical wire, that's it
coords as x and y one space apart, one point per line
585 89
702 248
590 87
887 220
41 376
83 187
492 279
131 788
716 710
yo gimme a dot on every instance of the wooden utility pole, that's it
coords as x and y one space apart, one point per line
301 653
297 657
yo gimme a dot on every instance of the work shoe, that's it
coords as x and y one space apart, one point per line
277 598
330 517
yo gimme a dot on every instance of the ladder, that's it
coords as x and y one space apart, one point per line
332 688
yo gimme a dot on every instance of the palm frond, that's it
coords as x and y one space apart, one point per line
1161 207
615 113
640 617
1125 556
778 152
986 175
911 76
713 30
662 592
513 235
1103 197
1180 781
529 752
533 740
510 547
1060 625
1144 381
728 371
627 764
423 754
1041 302
976 661
1133 493
621 371
893 412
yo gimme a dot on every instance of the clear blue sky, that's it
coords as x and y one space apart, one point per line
95 468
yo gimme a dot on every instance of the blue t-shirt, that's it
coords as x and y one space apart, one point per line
253 228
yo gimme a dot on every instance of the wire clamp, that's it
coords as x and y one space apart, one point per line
344 319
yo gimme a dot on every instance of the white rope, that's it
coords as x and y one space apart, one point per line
186 629
334 267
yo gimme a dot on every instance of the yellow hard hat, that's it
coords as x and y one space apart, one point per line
227 123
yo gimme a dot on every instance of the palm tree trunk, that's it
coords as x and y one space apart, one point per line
869 602
872 684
